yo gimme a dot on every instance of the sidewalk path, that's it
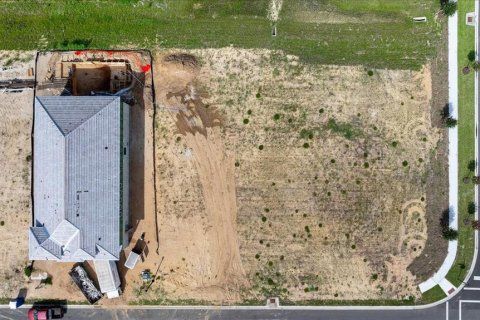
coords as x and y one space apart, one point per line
439 276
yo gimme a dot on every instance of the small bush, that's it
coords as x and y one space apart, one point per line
276 116
394 144
370 73
260 147
405 163
264 219
450 234
306 145
246 121
450 122
29 158
307 229
374 276
471 165
471 207
257 256
449 8
471 55
28 271
48 281
2 223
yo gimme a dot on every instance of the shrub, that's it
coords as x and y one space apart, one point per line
28 271
450 234
306 145
276 116
405 163
471 55
246 121
260 147
48 281
374 276
370 73
394 144
471 207
449 8
29 158
2 223
450 122
264 219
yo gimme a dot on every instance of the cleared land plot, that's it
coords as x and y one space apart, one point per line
375 33
15 201
279 178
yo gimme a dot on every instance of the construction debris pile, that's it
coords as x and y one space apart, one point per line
80 277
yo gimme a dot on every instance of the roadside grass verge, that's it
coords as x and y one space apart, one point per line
432 295
382 36
466 146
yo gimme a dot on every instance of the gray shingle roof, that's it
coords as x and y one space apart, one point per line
77 157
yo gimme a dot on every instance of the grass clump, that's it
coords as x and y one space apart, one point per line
344 129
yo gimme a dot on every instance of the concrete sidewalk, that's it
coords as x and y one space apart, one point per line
439 276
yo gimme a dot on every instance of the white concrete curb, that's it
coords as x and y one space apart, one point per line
439 276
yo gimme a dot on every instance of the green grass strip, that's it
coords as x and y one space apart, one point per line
466 145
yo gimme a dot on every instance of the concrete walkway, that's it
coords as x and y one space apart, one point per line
439 276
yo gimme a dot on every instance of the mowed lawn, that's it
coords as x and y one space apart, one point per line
378 34
466 146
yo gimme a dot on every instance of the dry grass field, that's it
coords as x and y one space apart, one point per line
279 178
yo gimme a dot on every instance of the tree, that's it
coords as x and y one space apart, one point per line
450 122
471 165
450 234
471 55
449 8
471 207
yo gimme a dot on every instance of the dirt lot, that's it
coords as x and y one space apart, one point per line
279 178
271 178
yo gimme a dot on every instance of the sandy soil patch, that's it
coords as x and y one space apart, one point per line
15 200
327 163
